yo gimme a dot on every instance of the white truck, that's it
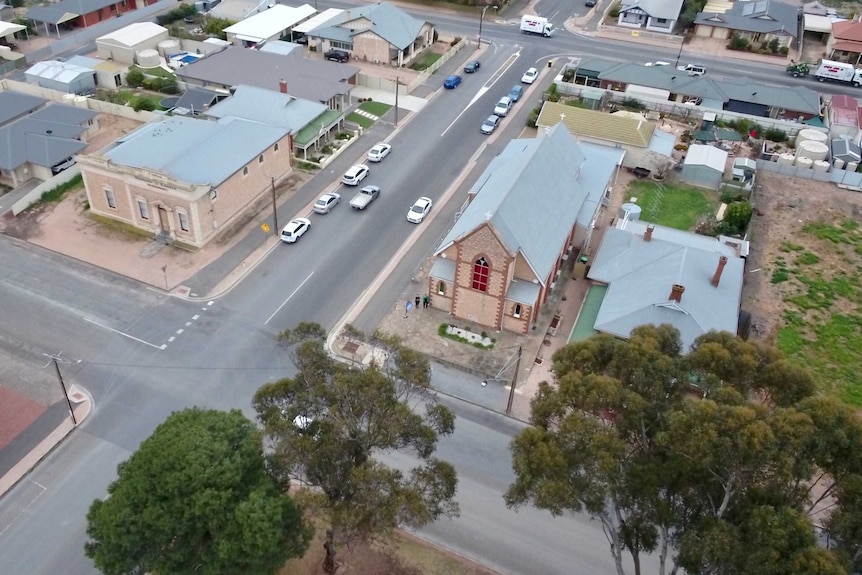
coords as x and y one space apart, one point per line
838 72
537 25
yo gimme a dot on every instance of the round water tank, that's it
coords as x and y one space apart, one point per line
851 166
812 150
804 162
821 166
168 47
786 159
838 163
148 58
810 135
633 211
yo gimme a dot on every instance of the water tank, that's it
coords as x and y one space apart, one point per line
803 162
81 102
633 210
810 135
812 150
821 166
851 166
148 58
838 163
786 159
69 97
168 47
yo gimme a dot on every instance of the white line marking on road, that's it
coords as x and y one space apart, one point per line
284 303
118 332
478 95
171 339
188 323
179 331
195 317
210 303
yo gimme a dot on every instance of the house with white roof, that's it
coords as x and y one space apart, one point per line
652 15
704 166
534 205
124 44
274 23
185 179
380 33
62 77
656 275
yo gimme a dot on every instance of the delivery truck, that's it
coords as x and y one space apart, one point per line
537 25
838 72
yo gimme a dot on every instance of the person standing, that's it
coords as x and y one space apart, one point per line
416 302
426 301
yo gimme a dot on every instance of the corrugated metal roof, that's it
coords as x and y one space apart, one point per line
598 125
761 16
61 113
443 269
195 151
268 107
14 104
57 71
271 22
387 21
318 20
133 34
66 10
709 156
45 137
668 9
528 180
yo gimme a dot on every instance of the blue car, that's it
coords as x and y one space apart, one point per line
515 93
452 82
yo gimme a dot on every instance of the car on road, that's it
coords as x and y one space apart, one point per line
530 76
472 66
295 229
378 152
657 63
590 3
503 106
451 82
693 69
326 202
337 56
355 174
516 92
419 210
364 197
490 124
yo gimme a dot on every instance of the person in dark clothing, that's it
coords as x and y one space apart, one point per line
426 301
416 302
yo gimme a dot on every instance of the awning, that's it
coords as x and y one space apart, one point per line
245 38
848 46
7 28
49 15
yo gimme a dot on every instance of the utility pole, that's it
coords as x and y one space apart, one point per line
679 55
274 208
397 82
55 359
514 381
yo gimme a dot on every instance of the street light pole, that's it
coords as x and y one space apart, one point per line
679 55
481 18
274 208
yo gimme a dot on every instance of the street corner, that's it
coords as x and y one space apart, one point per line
82 402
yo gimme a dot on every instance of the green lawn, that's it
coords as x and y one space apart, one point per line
673 205
129 97
425 61
376 108
361 120
157 71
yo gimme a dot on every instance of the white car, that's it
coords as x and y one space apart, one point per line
326 202
530 76
657 63
294 230
419 210
355 175
503 106
693 69
378 152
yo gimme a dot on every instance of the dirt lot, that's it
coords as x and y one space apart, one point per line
803 281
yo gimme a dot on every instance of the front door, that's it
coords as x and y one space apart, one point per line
163 219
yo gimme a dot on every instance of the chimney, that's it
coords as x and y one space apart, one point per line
716 278
282 86
676 293
648 233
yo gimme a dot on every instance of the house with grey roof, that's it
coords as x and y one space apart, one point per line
380 33
533 206
757 21
652 15
62 77
325 82
41 141
79 13
651 274
197 101
186 179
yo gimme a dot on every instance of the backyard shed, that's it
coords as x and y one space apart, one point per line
62 77
124 44
845 150
704 166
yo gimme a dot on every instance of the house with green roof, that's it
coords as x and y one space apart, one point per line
380 33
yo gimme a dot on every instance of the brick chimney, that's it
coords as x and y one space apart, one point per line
648 233
676 293
716 277
282 86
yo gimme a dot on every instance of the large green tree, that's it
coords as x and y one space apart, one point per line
328 422
683 455
195 498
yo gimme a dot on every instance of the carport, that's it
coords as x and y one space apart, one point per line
8 30
50 15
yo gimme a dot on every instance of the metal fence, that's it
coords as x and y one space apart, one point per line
842 178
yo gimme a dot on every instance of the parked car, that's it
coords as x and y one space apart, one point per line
490 124
530 76
472 66
337 56
355 174
503 106
515 93
419 210
295 230
590 3
326 202
378 152
452 82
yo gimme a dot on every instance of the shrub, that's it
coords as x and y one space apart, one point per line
614 12
784 50
775 135
633 104
169 86
686 137
533 117
737 42
773 45
135 78
146 104
176 14
681 147
154 84
455 41
737 217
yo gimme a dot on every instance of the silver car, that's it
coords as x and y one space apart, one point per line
490 124
326 202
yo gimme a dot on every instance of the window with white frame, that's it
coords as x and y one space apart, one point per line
341 45
184 221
143 210
111 198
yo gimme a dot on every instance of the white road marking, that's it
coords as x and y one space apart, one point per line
171 339
284 303
195 317
188 323
179 331
118 332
